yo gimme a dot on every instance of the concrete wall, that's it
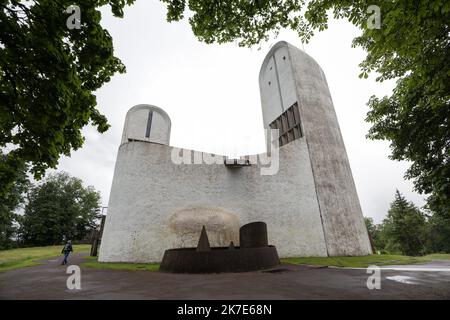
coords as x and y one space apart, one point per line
277 85
300 79
156 204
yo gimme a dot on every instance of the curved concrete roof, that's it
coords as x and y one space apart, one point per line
290 47
153 108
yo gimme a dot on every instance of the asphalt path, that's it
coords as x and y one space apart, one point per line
49 281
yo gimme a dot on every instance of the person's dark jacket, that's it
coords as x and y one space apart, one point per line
67 248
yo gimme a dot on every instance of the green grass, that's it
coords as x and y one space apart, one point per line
26 257
93 263
365 261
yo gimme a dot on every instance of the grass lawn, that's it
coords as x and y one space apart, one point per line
91 262
355 262
365 261
26 257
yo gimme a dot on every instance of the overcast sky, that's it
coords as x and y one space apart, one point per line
211 94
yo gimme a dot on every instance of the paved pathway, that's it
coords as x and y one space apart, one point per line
48 281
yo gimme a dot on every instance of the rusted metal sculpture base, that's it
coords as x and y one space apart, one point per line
217 260
254 254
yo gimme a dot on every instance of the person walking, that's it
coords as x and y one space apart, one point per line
66 251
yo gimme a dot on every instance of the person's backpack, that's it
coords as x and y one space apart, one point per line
67 248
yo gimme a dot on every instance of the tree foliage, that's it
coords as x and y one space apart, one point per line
48 76
405 226
411 46
438 234
57 209
248 22
374 232
9 205
409 230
